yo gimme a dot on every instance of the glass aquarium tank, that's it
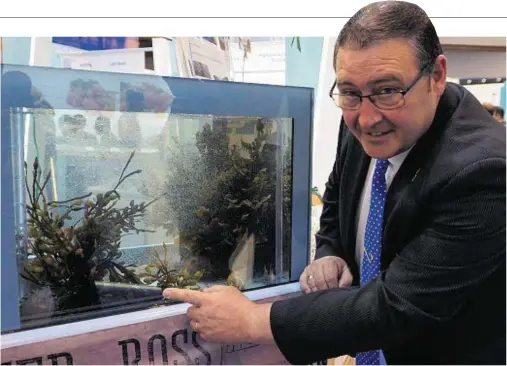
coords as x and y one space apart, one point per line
123 185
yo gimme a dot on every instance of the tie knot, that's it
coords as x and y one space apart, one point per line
381 166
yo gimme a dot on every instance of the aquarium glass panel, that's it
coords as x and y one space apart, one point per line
117 197
116 186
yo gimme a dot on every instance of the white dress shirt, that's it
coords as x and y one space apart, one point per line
364 201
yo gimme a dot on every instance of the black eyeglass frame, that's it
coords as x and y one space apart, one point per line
402 91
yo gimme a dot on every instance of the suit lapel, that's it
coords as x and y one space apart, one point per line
400 207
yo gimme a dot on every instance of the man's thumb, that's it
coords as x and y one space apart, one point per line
346 277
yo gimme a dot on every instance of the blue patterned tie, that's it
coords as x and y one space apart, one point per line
373 243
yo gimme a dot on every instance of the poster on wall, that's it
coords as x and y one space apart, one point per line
263 63
203 57
97 43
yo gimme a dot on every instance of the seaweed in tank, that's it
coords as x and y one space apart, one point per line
215 195
161 273
68 259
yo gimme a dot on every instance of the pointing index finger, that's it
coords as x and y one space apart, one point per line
190 296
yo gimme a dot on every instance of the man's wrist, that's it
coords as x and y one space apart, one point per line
260 324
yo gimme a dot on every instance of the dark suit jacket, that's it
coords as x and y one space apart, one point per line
441 294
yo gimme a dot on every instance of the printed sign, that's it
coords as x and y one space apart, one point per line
126 61
157 342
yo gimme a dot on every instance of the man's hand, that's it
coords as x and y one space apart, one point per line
223 314
326 272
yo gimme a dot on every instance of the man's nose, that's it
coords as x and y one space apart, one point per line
369 115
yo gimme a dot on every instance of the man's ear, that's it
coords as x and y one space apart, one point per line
439 74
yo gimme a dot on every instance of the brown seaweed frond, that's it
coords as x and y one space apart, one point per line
69 255
160 272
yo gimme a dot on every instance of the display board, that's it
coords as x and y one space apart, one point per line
160 341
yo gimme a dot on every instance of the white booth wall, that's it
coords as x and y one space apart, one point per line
326 122
475 64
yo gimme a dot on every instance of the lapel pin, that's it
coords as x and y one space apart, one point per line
415 175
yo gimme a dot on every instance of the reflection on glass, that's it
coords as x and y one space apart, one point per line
121 204
105 135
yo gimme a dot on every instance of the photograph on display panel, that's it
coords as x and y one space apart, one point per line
113 203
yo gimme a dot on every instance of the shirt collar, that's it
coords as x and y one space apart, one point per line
397 160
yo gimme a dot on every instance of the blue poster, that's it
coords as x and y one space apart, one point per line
92 43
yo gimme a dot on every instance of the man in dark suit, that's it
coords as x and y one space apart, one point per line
410 261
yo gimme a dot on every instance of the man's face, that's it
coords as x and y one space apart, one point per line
384 68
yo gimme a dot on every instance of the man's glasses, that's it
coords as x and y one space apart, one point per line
385 98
